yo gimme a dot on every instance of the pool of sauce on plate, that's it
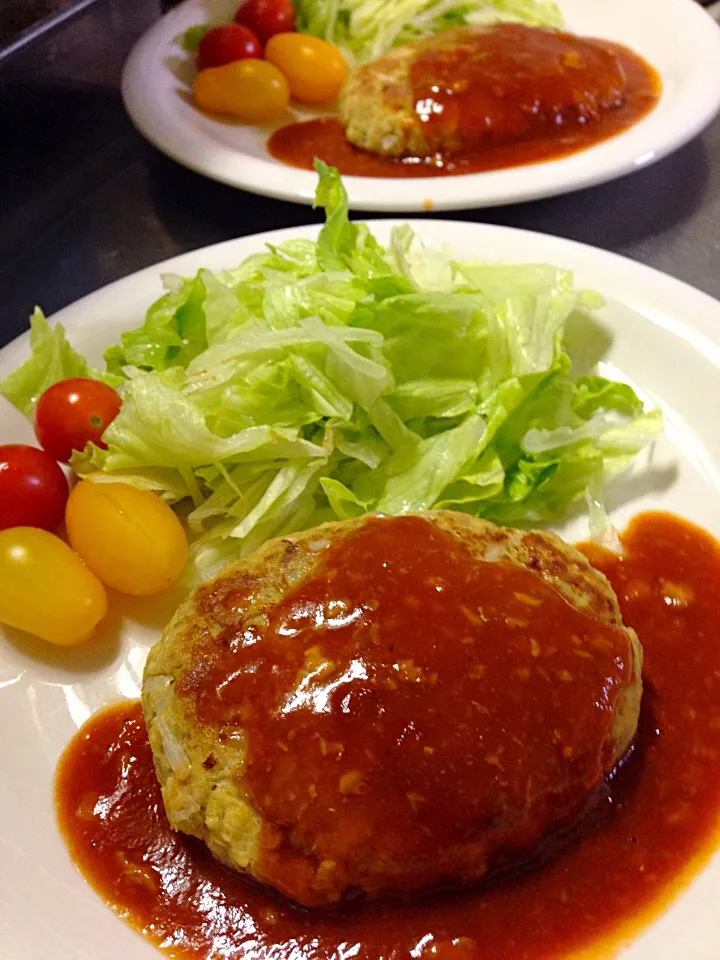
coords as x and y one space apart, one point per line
656 823
516 118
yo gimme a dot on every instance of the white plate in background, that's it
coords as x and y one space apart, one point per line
676 36
655 332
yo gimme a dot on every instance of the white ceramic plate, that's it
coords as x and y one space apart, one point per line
655 332
676 36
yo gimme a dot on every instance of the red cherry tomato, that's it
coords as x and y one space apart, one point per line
227 43
267 17
72 412
33 488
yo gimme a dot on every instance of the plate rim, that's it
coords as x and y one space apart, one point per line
469 191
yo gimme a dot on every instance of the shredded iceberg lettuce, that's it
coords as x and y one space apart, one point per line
365 29
323 379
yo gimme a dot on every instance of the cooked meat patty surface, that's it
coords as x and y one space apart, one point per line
387 705
469 86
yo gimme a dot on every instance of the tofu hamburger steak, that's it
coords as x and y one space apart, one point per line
479 86
388 705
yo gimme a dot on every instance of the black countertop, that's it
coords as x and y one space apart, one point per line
85 200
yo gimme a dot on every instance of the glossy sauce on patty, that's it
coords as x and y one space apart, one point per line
655 824
509 96
408 706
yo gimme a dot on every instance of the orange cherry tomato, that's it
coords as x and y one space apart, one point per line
314 69
129 538
46 589
251 90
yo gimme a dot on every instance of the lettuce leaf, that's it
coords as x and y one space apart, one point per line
52 359
365 29
318 380
190 39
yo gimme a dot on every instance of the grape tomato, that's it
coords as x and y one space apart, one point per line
46 589
252 90
129 538
73 412
33 488
314 69
266 17
225 44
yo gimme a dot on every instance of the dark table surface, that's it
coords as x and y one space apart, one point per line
85 200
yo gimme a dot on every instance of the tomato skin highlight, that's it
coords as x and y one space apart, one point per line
46 589
129 538
73 412
33 488
251 90
226 43
314 69
266 17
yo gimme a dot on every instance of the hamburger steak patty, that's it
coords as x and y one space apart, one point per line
386 705
473 85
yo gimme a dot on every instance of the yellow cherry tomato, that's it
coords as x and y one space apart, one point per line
314 69
46 589
251 90
129 538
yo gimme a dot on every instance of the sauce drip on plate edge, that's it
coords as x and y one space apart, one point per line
602 887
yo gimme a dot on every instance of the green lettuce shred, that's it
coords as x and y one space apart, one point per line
52 359
365 29
322 379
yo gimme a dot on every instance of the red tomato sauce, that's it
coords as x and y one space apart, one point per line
654 825
505 97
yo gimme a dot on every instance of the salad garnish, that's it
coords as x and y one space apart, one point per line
325 378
